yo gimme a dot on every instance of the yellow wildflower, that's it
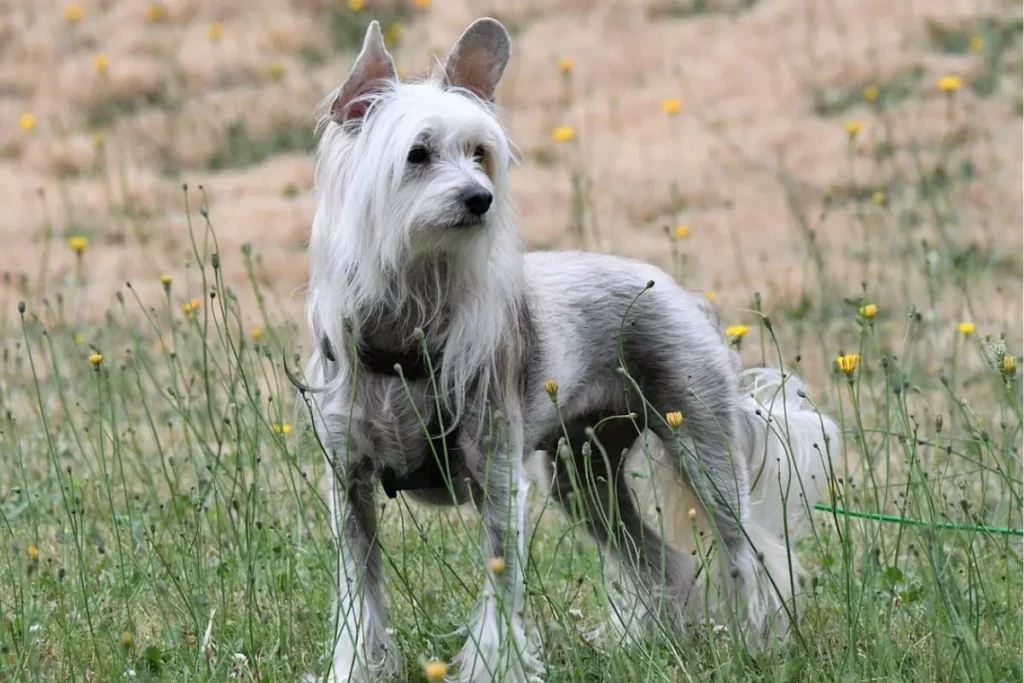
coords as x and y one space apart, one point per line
154 12
127 640
435 670
100 63
33 552
27 121
853 127
256 332
422 4
166 281
281 428
870 93
192 306
78 243
674 419
1009 364
949 84
73 13
215 31
496 565
565 64
682 230
97 139
966 328
79 338
711 296
692 513
356 5
392 34
736 331
275 71
563 133
848 363
96 358
551 387
672 106
869 311
878 198
977 44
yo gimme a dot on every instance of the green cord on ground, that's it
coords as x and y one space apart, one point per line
919 522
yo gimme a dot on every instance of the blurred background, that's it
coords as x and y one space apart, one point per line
787 147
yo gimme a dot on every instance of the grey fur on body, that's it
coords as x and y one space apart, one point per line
403 252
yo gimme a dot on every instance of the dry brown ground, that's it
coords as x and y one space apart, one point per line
746 80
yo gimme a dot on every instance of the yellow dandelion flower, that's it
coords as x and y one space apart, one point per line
256 332
736 331
27 121
966 328
73 13
977 44
870 93
100 63
551 387
869 311
710 295
496 565
357 5
674 419
422 4
1009 364
848 363
435 670
565 64
166 281
692 513
127 640
33 552
853 127
563 133
680 231
192 306
672 106
275 72
281 428
79 338
154 12
950 84
96 358
878 198
78 243
215 31
392 34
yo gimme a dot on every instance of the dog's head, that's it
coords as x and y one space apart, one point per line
421 165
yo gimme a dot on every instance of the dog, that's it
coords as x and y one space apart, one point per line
444 356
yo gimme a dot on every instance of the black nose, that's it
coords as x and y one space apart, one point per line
476 199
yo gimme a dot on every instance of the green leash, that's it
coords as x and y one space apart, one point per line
825 507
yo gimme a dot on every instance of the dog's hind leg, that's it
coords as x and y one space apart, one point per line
659 581
363 650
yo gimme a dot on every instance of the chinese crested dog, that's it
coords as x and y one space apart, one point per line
445 356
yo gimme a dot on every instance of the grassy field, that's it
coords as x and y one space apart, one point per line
162 514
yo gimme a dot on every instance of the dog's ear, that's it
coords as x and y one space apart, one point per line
371 73
479 57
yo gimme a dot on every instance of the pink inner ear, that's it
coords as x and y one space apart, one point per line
371 78
473 72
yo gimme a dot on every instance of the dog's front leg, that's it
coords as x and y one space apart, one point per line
497 648
363 650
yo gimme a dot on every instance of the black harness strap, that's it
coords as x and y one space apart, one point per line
429 475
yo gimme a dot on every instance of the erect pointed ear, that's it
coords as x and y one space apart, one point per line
479 57
372 72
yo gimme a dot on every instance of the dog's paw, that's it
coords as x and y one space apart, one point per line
379 664
499 652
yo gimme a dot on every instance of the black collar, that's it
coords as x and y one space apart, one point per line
382 361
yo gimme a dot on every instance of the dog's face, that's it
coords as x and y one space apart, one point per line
425 163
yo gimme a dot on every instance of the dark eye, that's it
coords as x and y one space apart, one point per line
479 154
419 155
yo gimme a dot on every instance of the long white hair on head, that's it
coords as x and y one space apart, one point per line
370 260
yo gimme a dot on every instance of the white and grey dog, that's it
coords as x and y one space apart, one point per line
435 334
